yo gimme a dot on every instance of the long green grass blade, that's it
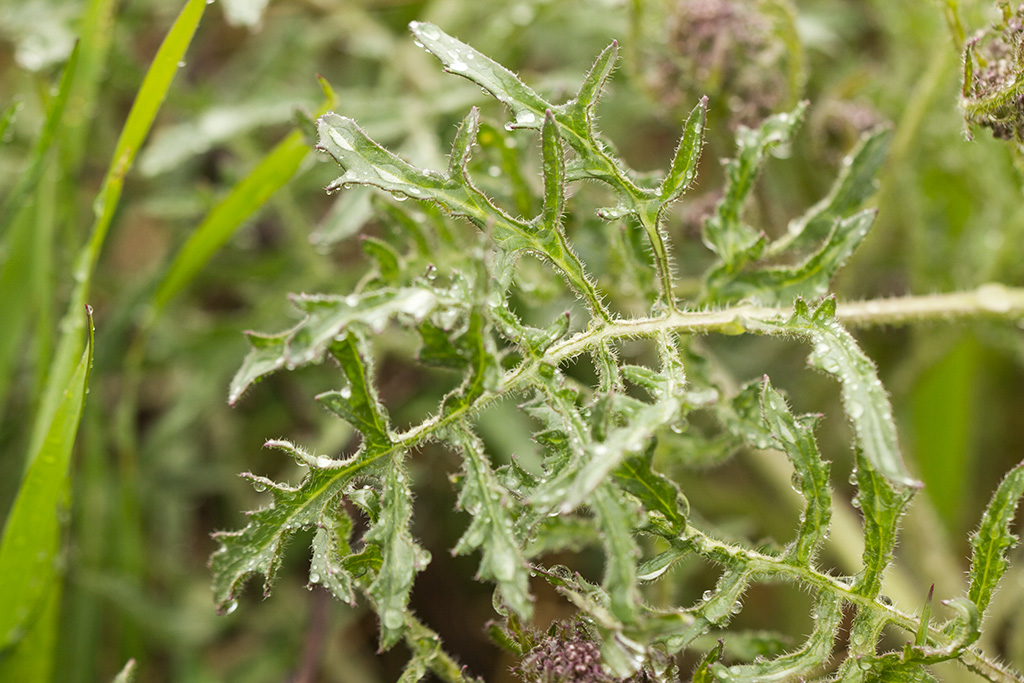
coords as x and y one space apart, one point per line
140 119
32 532
95 34
16 291
29 178
8 117
276 169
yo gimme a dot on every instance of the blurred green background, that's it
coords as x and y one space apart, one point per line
158 453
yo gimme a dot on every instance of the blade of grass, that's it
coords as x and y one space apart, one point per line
8 116
31 536
140 119
95 32
272 173
29 178
17 285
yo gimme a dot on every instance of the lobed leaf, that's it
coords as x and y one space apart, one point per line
401 557
799 665
327 317
357 403
865 401
258 548
994 538
856 182
330 547
809 279
725 233
491 528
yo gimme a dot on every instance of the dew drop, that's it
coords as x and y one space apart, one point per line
314 578
346 392
323 462
458 65
525 118
259 486
428 31
855 410
230 607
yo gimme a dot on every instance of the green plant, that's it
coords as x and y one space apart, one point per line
612 439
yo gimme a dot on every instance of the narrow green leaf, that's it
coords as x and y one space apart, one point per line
796 437
357 403
31 534
29 178
461 59
944 423
994 538
127 674
683 170
16 295
150 96
725 233
491 528
703 672
270 175
581 109
616 522
963 632
835 351
799 665
554 174
7 117
882 505
857 181
401 557
809 279
661 498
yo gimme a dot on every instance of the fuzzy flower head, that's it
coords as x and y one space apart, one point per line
566 656
731 51
993 91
